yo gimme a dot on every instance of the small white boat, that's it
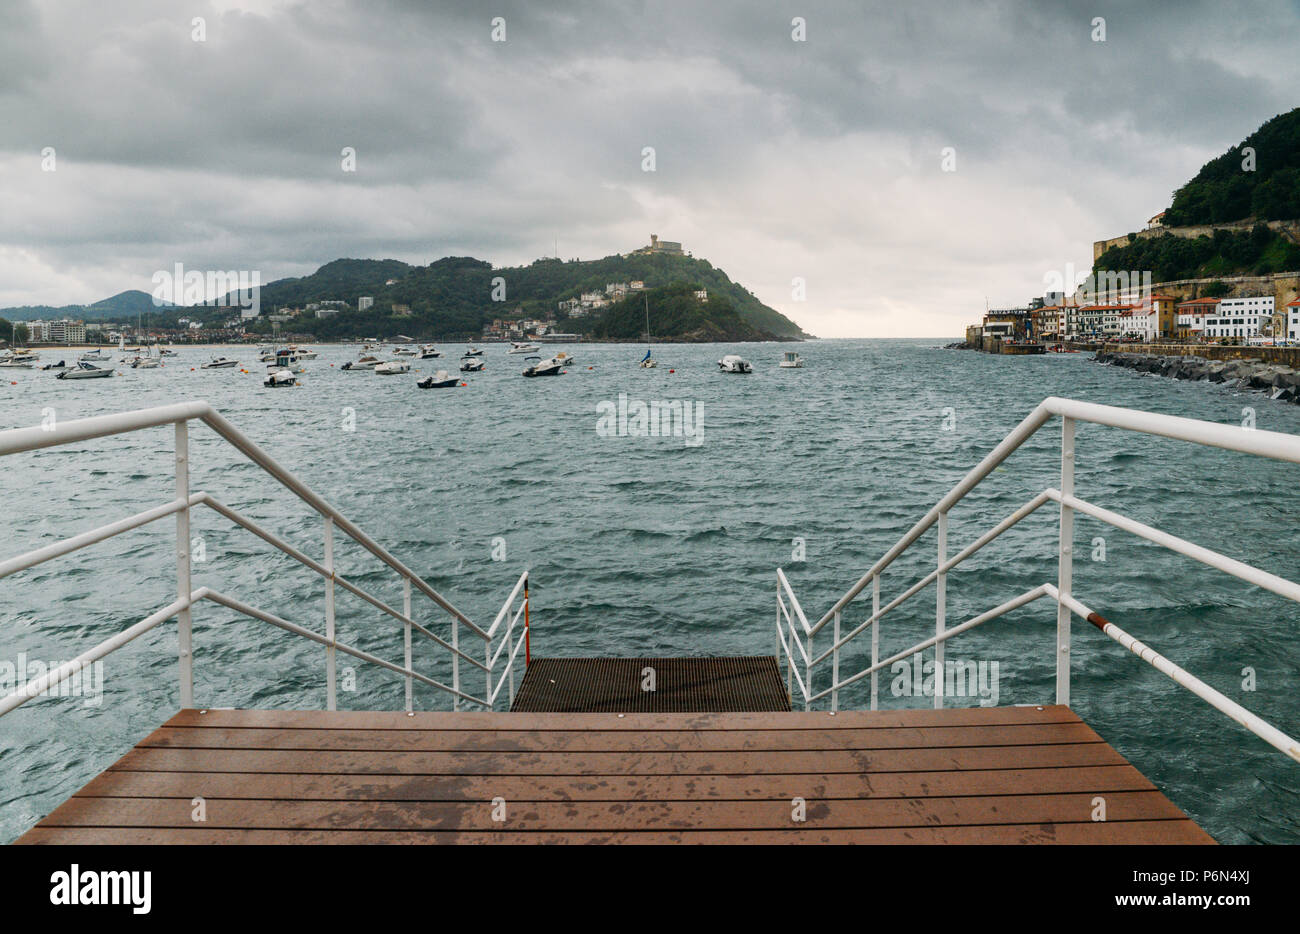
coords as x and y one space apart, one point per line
303 353
392 368
16 363
280 378
440 380
219 363
732 363
92 355
551 367
406 352
145 363
471 365
429 352
473 352
84 370
367 362
791 360
520 347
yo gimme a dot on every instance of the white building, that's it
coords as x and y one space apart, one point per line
364 302
1242 324
1263 304
66 332
1293 320
702 294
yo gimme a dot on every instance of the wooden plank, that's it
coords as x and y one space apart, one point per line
680 684
1140 833
255 785
589 816
1029 734
617 762
469 721
972 775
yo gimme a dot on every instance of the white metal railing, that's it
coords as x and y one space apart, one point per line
795 635
20 440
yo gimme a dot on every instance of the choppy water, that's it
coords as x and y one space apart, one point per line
650 545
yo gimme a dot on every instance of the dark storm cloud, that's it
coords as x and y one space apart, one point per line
776 159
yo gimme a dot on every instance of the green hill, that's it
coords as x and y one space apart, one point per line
455 296
1224 191
674 311
1255 252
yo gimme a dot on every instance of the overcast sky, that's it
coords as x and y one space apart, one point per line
775 159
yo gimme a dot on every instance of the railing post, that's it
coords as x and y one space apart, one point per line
487 675
528 629
455 662
940 610
406 636
1065 567
875 640
835 666
808 674
331 694
184 619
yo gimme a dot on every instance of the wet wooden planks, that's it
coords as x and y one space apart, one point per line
973 775
626 685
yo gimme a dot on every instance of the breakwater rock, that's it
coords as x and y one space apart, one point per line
1251 373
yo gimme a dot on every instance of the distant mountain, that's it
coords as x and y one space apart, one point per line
122 306
1259 178
455 296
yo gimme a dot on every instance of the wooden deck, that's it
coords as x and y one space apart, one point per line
997 775
652 685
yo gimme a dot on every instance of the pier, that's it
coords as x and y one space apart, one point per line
967 775
639 749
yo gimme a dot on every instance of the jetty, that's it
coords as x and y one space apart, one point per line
758 749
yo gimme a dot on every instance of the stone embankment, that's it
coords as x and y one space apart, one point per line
1275 380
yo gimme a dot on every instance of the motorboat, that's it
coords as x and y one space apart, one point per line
367 362
93 355
392 368
791 360
55 366
84 370
733 363
429 352
564 359
471 365
521 347
302 353
551 367
473 352
280 378
439 380
219 363
19 358
146 363
407 352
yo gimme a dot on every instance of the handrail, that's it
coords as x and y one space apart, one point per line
18 440
30 439
1274 445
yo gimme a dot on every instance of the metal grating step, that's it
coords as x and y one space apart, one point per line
681 685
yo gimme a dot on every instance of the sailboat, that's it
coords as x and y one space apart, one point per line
647 362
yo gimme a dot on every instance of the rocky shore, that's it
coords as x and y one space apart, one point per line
1251 373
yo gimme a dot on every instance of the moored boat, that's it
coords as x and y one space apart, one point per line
440 380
